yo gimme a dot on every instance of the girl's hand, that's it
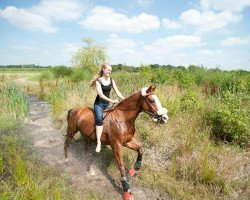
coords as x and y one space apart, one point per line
116 101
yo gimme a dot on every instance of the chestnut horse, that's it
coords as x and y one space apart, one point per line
118 127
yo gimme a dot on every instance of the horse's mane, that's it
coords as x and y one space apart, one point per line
120 103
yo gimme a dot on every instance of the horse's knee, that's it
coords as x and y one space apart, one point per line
140 152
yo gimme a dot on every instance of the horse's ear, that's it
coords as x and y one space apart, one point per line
151 89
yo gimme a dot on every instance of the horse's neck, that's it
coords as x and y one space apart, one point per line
130 107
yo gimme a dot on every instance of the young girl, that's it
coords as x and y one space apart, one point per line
103 84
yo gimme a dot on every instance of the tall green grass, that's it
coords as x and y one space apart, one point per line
24 177
14 106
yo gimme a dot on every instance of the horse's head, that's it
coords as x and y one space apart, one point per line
152 105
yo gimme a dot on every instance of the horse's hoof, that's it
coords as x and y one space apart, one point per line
127 196
132 172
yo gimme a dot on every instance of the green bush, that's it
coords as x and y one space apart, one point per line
146 72
229 119
61 71
198 73
161 76
80 75
47 75
189 101
184 78
221 81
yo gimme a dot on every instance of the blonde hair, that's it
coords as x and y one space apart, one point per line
99 75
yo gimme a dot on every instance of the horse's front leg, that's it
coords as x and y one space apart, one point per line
117 149
136 147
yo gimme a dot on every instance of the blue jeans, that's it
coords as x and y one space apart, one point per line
99 108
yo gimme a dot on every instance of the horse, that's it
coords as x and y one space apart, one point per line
118 127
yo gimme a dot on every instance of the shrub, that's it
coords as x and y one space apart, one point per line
146 72
89 56
198 73
161 76
229 119
61 71
184 78
189 101
47 75
80 75
212 83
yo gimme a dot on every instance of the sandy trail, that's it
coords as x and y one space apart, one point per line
48 143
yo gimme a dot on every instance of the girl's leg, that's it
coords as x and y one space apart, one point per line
99 126
98 135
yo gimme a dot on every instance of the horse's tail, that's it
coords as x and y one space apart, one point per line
69 114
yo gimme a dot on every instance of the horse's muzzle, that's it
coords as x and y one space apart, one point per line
161 116
163 119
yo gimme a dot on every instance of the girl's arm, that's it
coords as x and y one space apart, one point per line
100 93
118 93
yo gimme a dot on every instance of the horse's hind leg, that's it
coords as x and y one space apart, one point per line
69 137
136 147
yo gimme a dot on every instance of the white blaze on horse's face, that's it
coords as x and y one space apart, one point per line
161 112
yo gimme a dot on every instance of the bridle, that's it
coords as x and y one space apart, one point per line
151 112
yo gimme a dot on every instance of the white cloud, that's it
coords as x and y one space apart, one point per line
166 50
27 19
232 41
41 16
168 24
209 20
69 48
106 19
23 47
125 45
230 5
210 53
145 3
59 10
177 42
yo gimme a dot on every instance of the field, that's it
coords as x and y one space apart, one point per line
202 152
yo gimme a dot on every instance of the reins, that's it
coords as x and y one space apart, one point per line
139 109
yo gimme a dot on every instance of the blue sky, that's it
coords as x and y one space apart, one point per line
212 33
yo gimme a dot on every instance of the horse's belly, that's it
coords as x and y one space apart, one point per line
86 122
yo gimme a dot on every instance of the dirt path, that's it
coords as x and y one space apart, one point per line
48 142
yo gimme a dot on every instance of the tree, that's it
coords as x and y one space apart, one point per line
90 56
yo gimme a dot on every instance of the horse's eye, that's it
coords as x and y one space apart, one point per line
152 100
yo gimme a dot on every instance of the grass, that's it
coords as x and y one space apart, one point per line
22 175
180 157
20 70
14 106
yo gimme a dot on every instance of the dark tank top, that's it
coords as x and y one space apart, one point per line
106 91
